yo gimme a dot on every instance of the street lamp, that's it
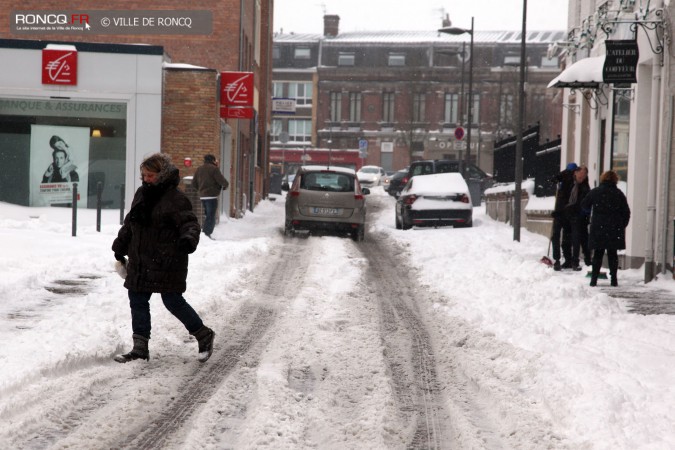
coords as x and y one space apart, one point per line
458 31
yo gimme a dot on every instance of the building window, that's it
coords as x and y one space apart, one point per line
300 130
335 106
388 107
419 106
506 110
475 109
396 59
302 53
278 89
346 59
277 127
301 92
450 108
551 62
276 52
354 107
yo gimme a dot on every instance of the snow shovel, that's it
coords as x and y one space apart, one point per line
545 259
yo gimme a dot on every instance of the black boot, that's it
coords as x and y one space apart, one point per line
614 282
204 336
140 350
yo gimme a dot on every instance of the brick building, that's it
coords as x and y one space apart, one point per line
405 93
236 37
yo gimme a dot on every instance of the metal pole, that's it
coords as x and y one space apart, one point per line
519 141
99 194
74 208
122 188
470 108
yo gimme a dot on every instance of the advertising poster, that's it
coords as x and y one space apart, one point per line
59 157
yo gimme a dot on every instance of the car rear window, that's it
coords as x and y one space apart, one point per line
447 167
327 181
422 169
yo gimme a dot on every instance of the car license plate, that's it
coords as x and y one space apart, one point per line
326 211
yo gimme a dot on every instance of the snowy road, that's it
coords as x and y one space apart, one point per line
321 343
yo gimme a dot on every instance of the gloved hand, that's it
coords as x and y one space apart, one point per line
121 258
185 245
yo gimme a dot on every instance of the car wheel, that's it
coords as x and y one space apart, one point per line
405 225
359 234
288 229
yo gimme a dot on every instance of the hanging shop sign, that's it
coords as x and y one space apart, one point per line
621 59
59 67
236 88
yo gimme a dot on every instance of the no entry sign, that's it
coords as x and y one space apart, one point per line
459 133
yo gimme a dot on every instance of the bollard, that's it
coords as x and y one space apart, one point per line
74 205
99 194
121 204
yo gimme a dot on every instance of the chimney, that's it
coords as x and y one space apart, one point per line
446 21
331 25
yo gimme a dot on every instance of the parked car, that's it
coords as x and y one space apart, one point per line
326 199
435 200
397 182
370 175
473 172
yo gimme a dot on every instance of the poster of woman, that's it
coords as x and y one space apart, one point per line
59 157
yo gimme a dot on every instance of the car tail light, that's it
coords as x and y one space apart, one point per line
464 198
404 181
409 200
358 197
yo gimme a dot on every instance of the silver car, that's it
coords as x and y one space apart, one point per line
326 199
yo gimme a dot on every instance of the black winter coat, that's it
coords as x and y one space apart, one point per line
610 215
565 183
158 233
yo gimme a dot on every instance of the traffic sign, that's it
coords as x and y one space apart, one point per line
363 148
459 133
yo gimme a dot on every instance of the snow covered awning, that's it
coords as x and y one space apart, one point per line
586 73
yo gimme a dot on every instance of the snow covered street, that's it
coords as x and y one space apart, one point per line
425 338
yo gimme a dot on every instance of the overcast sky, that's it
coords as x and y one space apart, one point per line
306 16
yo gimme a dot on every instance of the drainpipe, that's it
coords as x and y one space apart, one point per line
665 184
652 174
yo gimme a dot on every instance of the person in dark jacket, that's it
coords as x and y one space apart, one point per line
561 224
610 215
158 233
577 218
209 182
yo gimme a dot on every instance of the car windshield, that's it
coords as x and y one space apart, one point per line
369 170
327 181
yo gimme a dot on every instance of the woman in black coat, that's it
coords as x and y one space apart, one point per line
610 215
158 234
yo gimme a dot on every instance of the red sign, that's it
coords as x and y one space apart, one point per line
236 88
235 113
59 67
459 133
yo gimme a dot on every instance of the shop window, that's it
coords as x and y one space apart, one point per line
47 145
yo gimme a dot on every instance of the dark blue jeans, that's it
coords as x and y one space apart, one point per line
174 302
210 207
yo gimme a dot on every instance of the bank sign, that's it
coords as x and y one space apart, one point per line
621 59
59 67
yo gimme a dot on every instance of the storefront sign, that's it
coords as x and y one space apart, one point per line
621 59
60 108
283 106
236 88
59 67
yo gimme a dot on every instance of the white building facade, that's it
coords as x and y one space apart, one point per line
613 122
